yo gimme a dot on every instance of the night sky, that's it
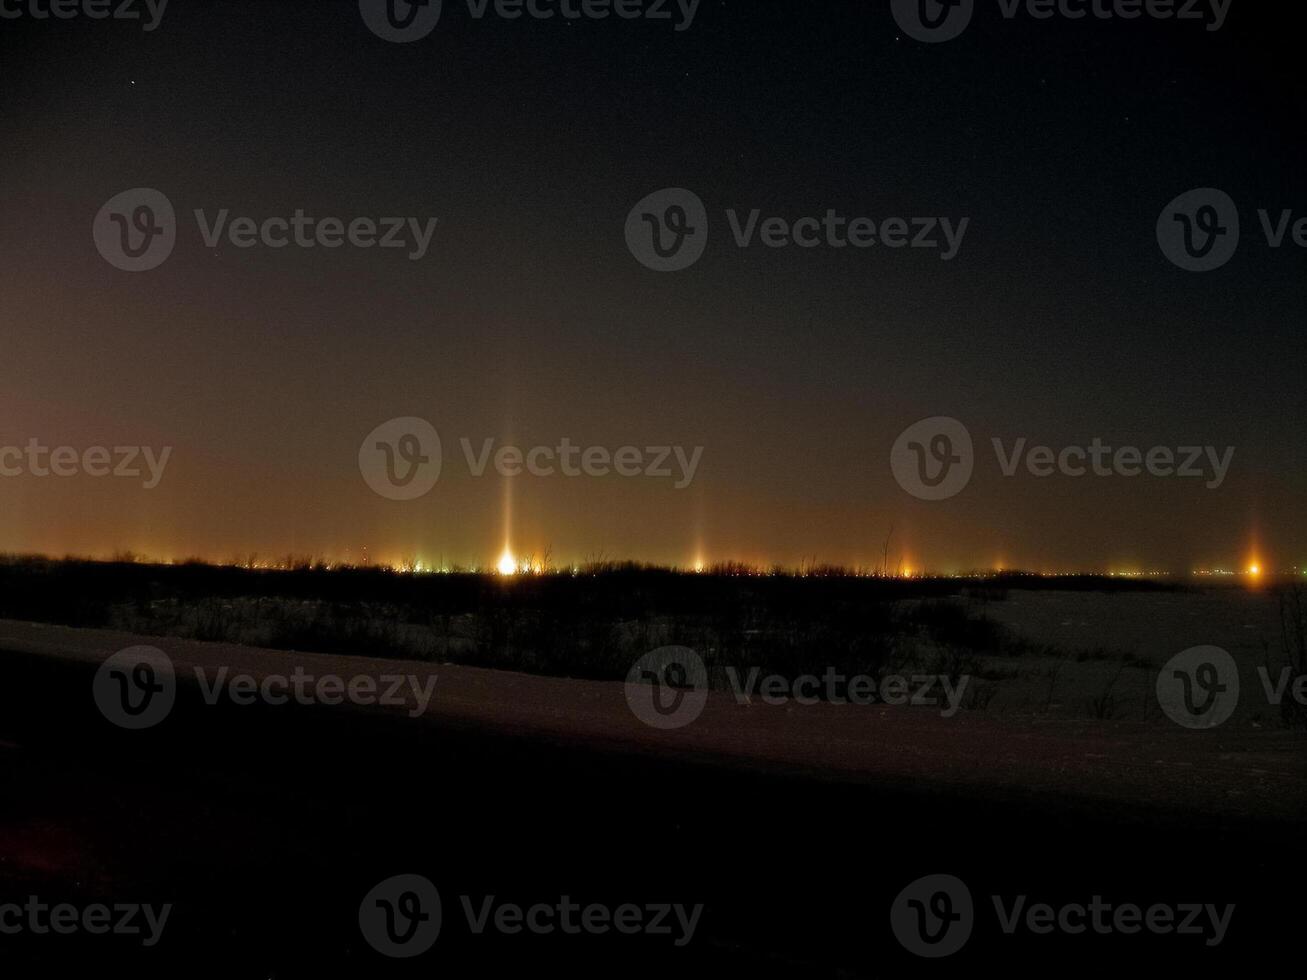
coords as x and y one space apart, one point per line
529 320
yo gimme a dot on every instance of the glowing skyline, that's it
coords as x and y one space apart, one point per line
528 320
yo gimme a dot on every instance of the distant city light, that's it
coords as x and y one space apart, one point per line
507 563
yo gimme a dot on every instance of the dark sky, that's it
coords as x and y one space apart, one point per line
1059 321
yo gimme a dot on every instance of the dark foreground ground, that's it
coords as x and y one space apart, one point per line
265 827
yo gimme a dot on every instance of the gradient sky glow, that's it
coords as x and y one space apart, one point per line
1060 320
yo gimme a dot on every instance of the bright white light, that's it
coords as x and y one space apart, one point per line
507 563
